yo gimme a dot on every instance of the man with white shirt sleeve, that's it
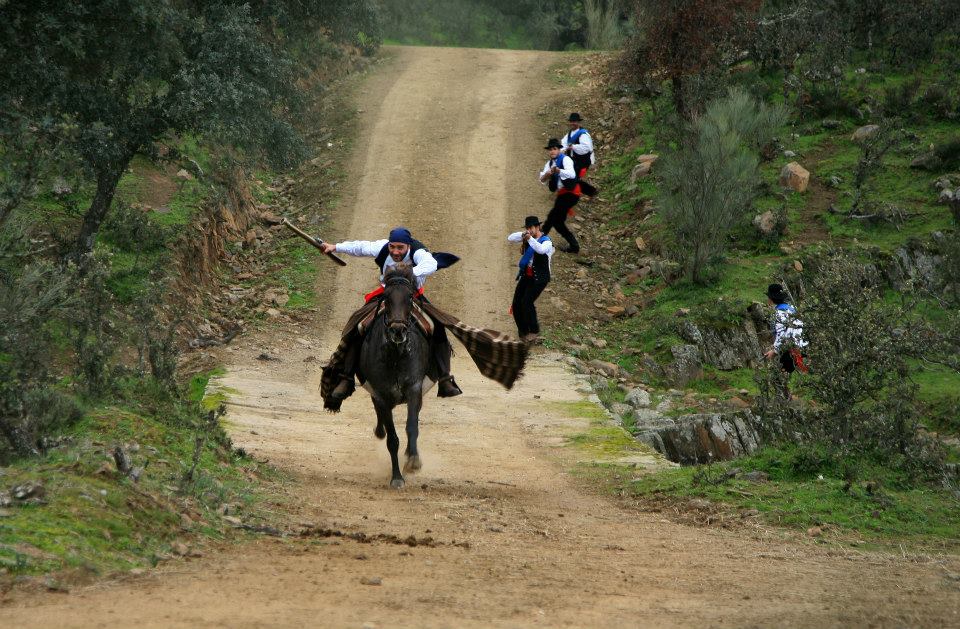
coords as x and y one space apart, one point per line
578 144
388 252
533 276
561 177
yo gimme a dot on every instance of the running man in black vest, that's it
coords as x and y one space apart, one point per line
399 247
533 277
559 175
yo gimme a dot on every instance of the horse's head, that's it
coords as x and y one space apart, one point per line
400 286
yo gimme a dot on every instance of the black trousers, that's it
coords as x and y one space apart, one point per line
524 308
558 218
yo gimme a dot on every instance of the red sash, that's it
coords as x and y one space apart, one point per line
798 360
379 291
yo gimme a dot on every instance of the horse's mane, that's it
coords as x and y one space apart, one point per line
401 269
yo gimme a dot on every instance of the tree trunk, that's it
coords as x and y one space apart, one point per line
679 103
107 180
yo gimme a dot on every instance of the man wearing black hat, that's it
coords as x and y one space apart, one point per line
788 341
578 145
559 175
532 278
399 247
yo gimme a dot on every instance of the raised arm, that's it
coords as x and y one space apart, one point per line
360 248
516 237
545 247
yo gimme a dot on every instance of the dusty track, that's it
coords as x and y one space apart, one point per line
448 147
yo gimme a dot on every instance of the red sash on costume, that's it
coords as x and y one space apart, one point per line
798 360
379 291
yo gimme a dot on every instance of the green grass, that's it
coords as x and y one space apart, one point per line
97 522
878 508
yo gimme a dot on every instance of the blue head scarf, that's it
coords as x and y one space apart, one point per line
401 234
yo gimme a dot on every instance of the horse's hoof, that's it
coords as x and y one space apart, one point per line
397 483
413 464
379 432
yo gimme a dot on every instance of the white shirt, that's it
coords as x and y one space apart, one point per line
424 263
565 164
787 328
583 146
546 248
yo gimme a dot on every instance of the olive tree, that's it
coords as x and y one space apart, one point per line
127 74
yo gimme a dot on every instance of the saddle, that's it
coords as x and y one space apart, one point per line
424 322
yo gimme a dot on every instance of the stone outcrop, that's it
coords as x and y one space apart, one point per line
701 438
725 347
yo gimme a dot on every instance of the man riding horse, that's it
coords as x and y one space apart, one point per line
400 247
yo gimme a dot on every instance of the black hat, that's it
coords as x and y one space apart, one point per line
575 117
531 221
777 294
553 143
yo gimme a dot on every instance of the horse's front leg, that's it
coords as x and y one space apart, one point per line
414 402
385 419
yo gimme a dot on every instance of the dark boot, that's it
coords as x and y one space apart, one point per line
446 385
351 360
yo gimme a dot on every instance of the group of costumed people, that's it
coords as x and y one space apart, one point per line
498 356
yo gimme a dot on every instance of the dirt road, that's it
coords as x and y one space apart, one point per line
505 537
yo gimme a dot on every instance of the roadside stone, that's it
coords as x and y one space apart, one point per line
682 312
798 266
641 244
814 531
756 476
608 369
795 177
371 581
616 311
700 503
631 311
789 154
184 175
25 491
686 365
638 398
598 343
927 161
180 549
865 133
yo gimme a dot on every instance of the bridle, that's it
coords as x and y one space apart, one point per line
397 328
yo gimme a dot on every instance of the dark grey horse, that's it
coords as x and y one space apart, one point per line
394 367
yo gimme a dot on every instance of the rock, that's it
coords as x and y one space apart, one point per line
28 490
865 133
616 311
700 503
640 170
270 218
621 409
756 476
180 549
701 438
249 238
631 310
184 175
798 266
371 581
186 522
749 513
725 347
739 403
608 369
946 196
789 154
927 161
814 531
765 223
233 521
641 244
272 312
281 299
647 158
60 186
830 123
795 177
638 398
682 312
581 274
598 343
686 365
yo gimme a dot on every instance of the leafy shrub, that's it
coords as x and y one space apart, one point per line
859 352
708 184
95 333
